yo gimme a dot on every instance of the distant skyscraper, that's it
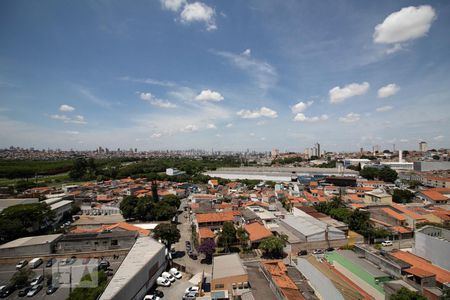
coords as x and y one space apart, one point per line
423 147
317 149
275 152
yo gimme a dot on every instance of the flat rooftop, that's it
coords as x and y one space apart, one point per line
142 252
31 241
227 266
5 203
99 220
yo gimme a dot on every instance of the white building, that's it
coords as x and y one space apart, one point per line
423 147
433 243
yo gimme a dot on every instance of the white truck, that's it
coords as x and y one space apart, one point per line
35 262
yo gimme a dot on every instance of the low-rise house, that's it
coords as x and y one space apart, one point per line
434 196
256 233
96 241
215 221
228 273
377 196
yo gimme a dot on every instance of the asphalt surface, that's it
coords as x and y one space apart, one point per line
78 269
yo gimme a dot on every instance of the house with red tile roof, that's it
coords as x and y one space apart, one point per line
215 220
256 233
277 273
432 196
205 233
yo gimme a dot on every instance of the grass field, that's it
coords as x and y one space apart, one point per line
50 180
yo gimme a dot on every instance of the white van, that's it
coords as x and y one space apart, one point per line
35 262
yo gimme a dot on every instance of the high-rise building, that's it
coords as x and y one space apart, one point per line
275 153
317 149
423 146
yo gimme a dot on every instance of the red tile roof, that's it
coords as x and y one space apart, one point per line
278 272
216 217
433 195
442 276
205 232
256 231
393 214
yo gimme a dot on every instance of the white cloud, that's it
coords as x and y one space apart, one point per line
211 126
350 118
76 120
254 114
388 90
156 102
438 138
189 128
199 12
247 52
384 108
300 117
338 94
229 125
403 140
251 134
173 5
263 138
393 49
301 106
262 72
156 135
208 95
149 81
93 98
66 108
409 23
72 132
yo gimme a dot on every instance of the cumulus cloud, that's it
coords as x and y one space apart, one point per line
407 24
247 52
208 95
156 135
156 102
438 138
229 125
384 108
300 117
262 72
350 118
301 106
66 108
338 94
78 119
211 126
199 12
258 113
388 90
189 128
173 5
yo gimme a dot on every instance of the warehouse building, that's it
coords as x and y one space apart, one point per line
138 271
30 246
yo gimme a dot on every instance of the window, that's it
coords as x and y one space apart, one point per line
114 243
219 286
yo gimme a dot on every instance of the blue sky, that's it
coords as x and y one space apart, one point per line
226 75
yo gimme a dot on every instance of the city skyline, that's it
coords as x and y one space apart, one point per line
224 75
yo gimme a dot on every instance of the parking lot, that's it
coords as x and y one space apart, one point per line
70 276
176 290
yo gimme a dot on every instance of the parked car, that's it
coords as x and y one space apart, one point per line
175 273
35 262
302 252
168 276
23 292
71 260
329 249
162 281
190 296
318 251
52 288
50 262
37 280
191 289
158 293
387 243
151 297
21 264
7 290
34 290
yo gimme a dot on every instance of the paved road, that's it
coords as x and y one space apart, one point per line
192 266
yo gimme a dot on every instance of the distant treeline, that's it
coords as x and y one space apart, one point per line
29 168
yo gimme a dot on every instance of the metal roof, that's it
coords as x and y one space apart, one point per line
227 265
31 241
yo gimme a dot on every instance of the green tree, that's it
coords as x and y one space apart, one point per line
90 293
79 169
32 215
127 207
402 196
242 236
155 191
167 233
359 221
405 294
227 236
272 246
21 277
387 174
369 173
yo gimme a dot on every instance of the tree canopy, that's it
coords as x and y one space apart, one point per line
167 233
227 236
402 196
385 173
273 246
405 294
145 209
